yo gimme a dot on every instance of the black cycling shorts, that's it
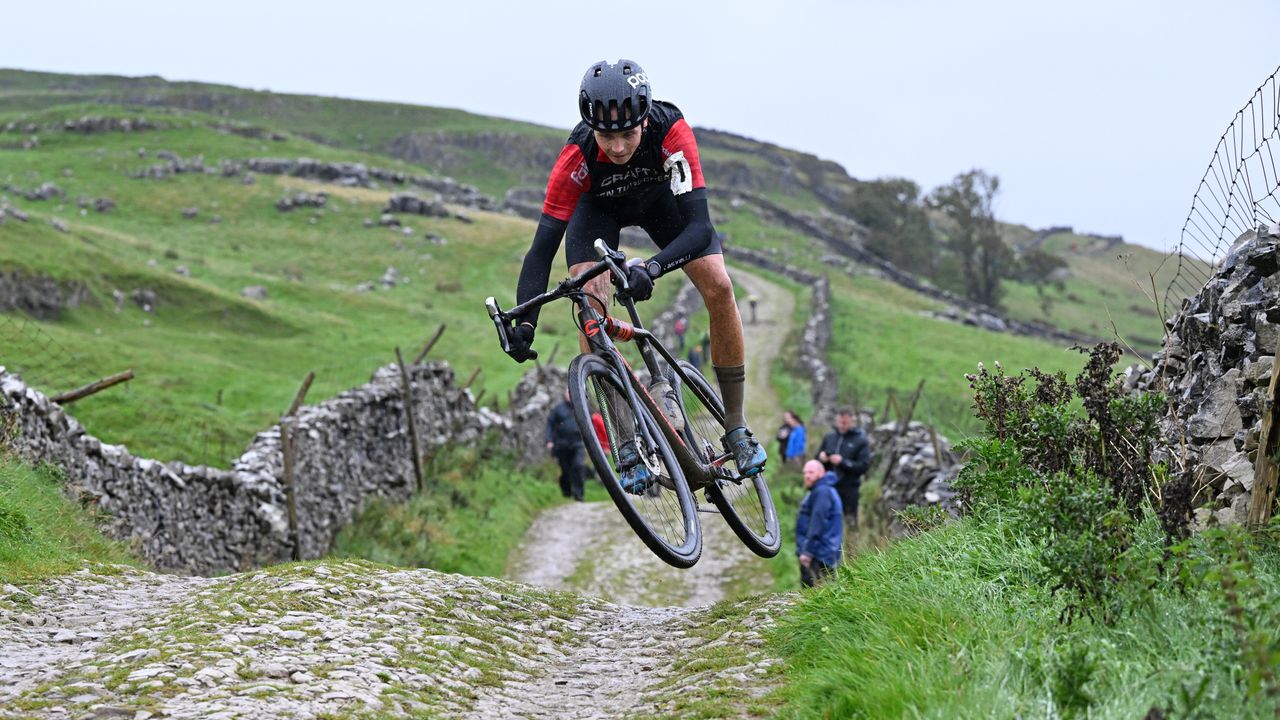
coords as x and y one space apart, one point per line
655 212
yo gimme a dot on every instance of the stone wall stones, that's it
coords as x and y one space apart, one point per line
921 470
1215 368
204 520
40 296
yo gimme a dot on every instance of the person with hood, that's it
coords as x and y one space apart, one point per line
819 529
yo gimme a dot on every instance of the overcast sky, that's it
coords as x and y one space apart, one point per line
1101 114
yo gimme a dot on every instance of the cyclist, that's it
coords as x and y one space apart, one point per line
632 160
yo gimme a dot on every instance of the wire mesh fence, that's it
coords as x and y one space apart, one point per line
1237 194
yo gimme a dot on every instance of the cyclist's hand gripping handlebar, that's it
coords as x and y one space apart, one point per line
515 341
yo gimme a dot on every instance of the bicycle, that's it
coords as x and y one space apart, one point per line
674 425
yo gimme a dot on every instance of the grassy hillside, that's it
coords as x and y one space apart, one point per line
241 358
214 367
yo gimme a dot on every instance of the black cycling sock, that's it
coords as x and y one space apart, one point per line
733 383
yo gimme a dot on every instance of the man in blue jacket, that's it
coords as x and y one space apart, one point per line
819 528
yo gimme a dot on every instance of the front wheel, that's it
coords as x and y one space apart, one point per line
661 510
746 504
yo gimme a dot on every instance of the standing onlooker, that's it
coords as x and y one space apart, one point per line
846 452
682 325
752 300
695 358
565 442
784 433
818 525
796 439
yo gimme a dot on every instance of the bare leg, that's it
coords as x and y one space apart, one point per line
728 351
709 275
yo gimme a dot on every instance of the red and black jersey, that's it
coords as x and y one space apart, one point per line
668 153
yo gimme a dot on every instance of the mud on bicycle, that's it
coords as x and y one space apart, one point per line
663 438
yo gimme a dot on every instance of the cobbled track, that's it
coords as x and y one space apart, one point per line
350 639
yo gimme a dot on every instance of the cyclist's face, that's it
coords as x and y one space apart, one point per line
619 146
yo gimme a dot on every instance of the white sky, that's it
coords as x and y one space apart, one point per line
1101 114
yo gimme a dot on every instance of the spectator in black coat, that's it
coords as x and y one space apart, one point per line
564 440
846 452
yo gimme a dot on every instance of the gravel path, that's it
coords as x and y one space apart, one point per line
588 548
633 637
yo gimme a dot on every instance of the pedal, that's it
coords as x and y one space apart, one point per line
709 509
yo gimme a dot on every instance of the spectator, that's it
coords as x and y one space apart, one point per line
818 525
784 433
682 324
752 300
695 358
796 439
846 452
564 441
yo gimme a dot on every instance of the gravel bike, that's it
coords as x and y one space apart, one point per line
673 424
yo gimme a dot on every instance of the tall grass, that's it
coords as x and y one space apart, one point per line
475 510
43 533
954 624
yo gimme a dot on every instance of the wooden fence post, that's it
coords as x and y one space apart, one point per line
474 374
902 429
407 388
71 396
1266 470
430 344
286 450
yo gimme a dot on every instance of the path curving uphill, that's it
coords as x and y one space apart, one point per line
634 638
588 549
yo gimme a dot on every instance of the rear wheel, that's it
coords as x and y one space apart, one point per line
746 504
661 511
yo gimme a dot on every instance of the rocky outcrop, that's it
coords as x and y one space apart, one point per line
40 296
348 450
1215 369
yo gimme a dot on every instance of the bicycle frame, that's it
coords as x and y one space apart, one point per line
600 332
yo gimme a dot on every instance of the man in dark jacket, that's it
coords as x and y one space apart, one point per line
846 452
564 440
818 526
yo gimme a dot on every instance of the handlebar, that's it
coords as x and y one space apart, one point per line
610 260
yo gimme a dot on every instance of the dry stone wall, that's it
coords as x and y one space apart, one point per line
204 520
1215 368
921 469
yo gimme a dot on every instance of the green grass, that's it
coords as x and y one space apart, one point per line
473 514
42 533
214 368
954 624
881 341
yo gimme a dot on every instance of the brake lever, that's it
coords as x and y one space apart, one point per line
499 321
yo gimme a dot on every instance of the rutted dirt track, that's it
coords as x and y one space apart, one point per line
632 638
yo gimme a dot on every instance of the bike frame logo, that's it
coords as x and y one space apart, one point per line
591 328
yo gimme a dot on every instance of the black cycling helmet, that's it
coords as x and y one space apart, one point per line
608 87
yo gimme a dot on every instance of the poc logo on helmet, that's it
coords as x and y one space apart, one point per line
636 80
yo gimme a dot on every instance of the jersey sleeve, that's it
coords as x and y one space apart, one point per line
569 179
681 153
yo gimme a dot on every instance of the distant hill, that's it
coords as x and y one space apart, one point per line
132 186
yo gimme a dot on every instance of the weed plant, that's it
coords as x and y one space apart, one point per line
1068 589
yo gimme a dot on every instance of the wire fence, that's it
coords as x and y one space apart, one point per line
1237 194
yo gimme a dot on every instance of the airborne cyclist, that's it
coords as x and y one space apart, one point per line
632 160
